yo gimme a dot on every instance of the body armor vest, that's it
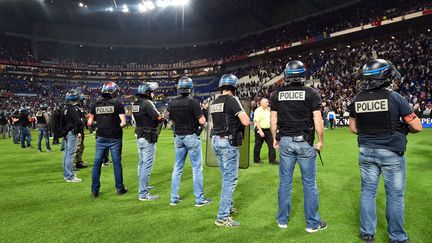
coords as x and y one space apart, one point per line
105 114
184 122
224 124
142 119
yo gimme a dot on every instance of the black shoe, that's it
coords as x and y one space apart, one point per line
366 238
95 194
81 165
122 191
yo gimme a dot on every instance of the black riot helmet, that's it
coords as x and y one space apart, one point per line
378 73
295 71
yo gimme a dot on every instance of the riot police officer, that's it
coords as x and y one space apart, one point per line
73 125
382 118
296 112
147 119
110 116
187 117
229 119
78 161
43 123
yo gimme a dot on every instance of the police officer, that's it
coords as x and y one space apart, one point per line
110 116
70 116
229 119
296 112
147 119
187 117
78 161
382 118
43 122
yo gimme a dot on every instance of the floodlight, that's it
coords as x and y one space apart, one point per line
149 5
81 4
110 9
125 8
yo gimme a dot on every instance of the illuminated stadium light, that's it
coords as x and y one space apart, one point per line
322 51
141 8
428 30
167 3
81 5
125 8
146 6
335 49
110 9
81 45
348 46
392 37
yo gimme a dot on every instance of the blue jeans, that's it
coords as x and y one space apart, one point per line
290 152
146 154
16 134
70 144
228 158
43 132
373 163
190 144
25 136
115 147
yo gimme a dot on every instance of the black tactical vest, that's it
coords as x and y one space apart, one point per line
184 122
373 112
224 124
105 114
294 113
41 118
142 119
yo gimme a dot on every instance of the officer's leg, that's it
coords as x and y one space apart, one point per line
307 161
370 174
78 156
70 149
229 161
116 154
286 169
40 133
257 148
269 141
65 172
394 172
180 158
101 148
193 144
147 157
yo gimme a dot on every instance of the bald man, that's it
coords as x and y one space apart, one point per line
262 132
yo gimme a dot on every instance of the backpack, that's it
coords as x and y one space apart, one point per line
59 122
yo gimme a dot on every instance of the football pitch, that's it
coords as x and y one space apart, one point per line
37 205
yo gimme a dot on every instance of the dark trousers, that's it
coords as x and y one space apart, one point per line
332 123
268 138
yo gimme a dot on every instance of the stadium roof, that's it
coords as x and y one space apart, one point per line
189 21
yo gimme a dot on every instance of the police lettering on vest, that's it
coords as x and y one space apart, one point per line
292 95
145 114
104 110
224 122
371 106
372 112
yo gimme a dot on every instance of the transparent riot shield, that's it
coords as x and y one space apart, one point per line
244 148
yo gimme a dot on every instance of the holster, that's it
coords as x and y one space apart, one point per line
309 135
151 136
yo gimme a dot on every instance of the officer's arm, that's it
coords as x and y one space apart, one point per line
47 119
202 120
273 123
123 120
244 119
353 125
319 127
90 120
413 122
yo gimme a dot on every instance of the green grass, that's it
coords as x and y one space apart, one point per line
37 205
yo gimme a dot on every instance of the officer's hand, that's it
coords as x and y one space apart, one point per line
275 144
79 135
261 133
123 124
318 146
